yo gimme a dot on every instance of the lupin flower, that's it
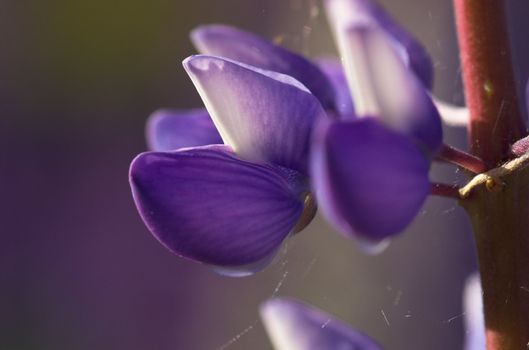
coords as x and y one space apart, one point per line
232 205
247 48
293 325
173 129
372 143
265 117
371 174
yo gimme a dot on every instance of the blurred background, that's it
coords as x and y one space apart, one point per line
78 269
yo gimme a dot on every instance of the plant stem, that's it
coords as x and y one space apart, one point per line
490 87
467 161
500 215
501 223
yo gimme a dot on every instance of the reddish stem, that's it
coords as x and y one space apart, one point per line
490 89
500 218
467 161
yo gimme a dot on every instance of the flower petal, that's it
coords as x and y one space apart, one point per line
383 86
451 114
264 116
474 319
172 129
293 325
334 71
370 181
207 205
248 48
344 13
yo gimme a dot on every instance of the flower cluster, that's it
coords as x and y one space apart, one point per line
225 185
281 136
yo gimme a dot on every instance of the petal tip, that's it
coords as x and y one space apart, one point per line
372 248
197 64
135 167
137 178
292 324
204 32
155 118
199 35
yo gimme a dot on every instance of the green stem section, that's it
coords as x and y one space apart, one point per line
500 218
498 206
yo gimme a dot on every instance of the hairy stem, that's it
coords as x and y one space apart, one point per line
490 89
499 214
500 217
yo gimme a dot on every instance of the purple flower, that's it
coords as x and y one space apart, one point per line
371 174
379 193
281 118
232 205
346 14
292 325
244 47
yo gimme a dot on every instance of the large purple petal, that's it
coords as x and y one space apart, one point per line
207 205
344 13
172 129
293 325
334 70
245 47
370 181
383 86
265 116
